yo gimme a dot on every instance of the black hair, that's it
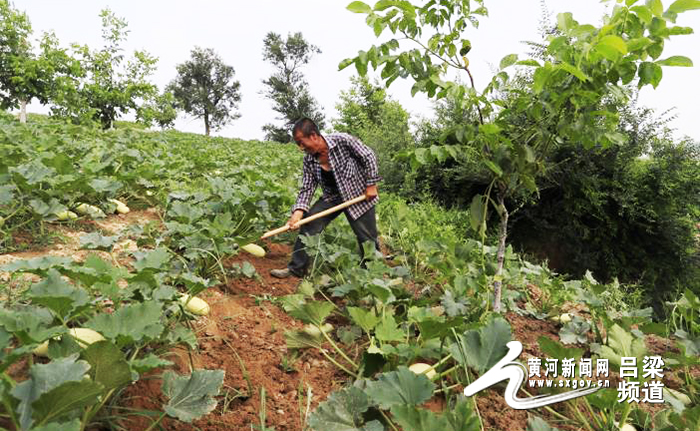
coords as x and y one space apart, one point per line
306 126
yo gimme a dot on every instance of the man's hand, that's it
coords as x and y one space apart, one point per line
294 219
371 192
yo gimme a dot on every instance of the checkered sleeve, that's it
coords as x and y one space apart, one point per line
367 159
308 187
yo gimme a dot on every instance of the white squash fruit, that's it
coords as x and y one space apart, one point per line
42 349
195 305
66 215
313 330
85 336
685 399
563 318
91 210
422 368
121 206
254 249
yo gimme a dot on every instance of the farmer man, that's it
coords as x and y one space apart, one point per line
345 168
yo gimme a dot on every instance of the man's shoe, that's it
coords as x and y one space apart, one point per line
281 273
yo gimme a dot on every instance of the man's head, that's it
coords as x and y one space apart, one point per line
307 136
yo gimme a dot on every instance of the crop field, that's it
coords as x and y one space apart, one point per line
330 352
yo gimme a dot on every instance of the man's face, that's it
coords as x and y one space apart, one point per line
311 144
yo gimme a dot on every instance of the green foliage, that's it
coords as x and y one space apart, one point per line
35 393
622 344
24 75
458 418
571 97
367 112
204 87
481 349
343 411
313 312
400 387
287 88
536 423
161 110
575 331
628 211
191 397
103 84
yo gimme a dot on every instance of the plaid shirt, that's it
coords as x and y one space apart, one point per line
354 166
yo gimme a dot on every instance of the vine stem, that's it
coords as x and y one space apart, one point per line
156 422
551 410
338 349
324 353
476 406
447 388
389 421
625 412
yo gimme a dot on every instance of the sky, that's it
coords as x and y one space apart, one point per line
235 30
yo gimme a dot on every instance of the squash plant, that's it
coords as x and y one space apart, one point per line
81 377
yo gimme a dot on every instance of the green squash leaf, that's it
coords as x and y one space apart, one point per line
108 364
66 398
312 312
400 387
365 319
42 379
388 330
57 294
411 418
73 425
149 363
342 411
536 423
37 265
458 418
134 322
154 259
95 241
481 349
622 344
191 397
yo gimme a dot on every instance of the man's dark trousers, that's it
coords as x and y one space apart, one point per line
365 228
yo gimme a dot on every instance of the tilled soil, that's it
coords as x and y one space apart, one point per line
243 325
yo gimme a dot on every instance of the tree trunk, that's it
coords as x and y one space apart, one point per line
498 278
23 111
206 124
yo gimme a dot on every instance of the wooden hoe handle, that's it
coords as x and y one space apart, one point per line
324 213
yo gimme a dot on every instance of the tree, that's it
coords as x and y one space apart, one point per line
23 75
571 98
367 112
204 87
287 87
161 110
106 86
